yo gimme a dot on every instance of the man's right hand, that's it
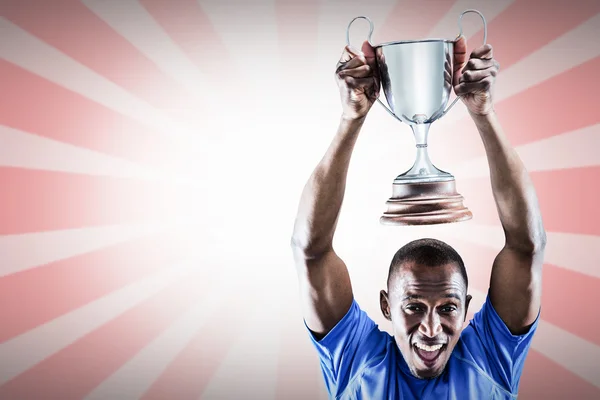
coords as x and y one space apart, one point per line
358 79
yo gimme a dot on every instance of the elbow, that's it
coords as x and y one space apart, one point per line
307 249
530 244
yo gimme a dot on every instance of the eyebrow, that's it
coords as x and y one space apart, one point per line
419 297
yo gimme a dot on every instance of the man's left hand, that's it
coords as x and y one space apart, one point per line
474 78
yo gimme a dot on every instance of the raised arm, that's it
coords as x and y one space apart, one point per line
325 289
515 286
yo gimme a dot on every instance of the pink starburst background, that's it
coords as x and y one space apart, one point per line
152 156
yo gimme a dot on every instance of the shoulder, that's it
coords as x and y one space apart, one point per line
354 344
488 345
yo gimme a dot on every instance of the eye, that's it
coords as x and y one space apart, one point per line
414 308
448 308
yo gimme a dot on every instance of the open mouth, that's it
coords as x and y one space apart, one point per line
429 354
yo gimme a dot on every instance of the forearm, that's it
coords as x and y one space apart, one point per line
323 194
513 190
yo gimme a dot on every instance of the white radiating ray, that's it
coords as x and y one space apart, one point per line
25 251
565 52
24 351
569 351
25 150
448 26
249 32
575 252
252 362
27 51
132 21
135 377
574 149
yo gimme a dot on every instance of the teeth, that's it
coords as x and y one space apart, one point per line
428 348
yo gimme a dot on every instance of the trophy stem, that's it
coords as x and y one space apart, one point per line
423 169
421 131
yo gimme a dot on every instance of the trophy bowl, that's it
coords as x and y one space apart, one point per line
416 77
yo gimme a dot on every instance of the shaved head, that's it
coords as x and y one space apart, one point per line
426 252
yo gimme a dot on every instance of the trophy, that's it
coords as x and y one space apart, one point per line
416 77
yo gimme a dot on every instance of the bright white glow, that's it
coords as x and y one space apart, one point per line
253 360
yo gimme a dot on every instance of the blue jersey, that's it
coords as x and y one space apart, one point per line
359 361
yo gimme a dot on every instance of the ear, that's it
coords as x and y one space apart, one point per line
469 297
385 305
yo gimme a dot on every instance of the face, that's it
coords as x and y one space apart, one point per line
427 307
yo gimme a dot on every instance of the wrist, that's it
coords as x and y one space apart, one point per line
483 118
352 120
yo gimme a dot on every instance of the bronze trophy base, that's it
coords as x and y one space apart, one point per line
425 203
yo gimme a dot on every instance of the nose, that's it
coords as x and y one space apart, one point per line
430 325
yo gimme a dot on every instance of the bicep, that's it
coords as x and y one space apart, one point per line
325 291
515 288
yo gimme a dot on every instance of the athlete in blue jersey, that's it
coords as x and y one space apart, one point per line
429 355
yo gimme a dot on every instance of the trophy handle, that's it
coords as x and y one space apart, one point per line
460 34
371 27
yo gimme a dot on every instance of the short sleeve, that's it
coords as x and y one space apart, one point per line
348 347
503 352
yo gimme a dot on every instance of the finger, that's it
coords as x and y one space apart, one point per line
477 63
474 87
368 50
349 53
471 76
359 72
484 52
353 63
355 60
460 56
360 83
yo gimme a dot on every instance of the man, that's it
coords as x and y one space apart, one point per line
426 298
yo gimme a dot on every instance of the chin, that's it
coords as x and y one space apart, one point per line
428 374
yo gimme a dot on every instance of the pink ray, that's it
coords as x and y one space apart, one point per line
188 375
191 29
567 199
77 281
79 368
43 200
69 26
35 105
539 371
544 379
524 116
568 315
523 27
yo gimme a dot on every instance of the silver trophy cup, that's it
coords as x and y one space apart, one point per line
416 77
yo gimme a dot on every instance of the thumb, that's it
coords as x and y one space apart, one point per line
368 50
460 58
